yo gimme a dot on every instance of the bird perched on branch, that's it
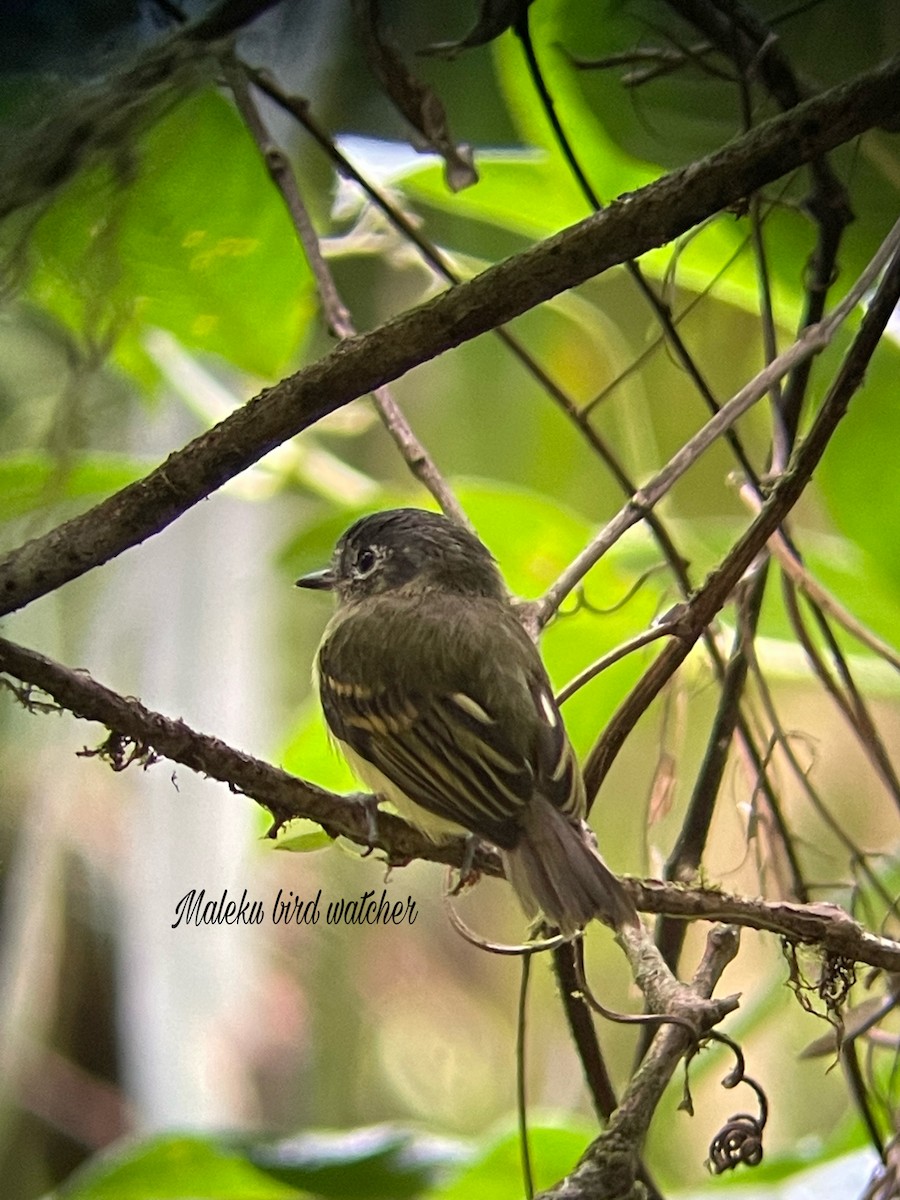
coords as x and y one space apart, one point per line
441 704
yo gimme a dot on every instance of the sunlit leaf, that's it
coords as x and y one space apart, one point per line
858 471
623 141
311 754
170 239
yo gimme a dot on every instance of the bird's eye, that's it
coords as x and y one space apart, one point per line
365 564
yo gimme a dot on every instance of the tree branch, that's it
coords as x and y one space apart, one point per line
719 584
824 925
335 310
609 1166
142 734
811 342
628 228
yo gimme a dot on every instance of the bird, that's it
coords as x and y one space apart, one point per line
440 703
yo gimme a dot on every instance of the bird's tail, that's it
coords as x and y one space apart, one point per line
556 871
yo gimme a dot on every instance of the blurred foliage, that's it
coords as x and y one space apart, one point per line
172 1168
180 230
145 242
391 1164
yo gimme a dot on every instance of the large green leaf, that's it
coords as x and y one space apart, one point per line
173 1168
381 1162
858 473
623 139
186 233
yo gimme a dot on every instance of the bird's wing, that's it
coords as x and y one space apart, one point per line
441 751
471 735
558 774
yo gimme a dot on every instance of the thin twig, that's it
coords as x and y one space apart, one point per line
521 1094
780 447
665 57
829 208
601 664
581 1026
661 310
687 852
638 361
739 33
844 693
862 1095
282 174
865 722
714 593
802 777
811 342
791 564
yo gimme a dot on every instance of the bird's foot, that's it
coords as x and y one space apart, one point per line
369 804
468 874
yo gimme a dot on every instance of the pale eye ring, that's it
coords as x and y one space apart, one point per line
365 564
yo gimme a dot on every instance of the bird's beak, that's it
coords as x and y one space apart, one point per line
319 581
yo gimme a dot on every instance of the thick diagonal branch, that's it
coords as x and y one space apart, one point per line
628 228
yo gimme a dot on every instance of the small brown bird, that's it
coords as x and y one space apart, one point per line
441 704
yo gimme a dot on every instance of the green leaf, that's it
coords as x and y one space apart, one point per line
497 1171
311 754
625 139
178 242
377 1163
303 843
858 471
173 1168
535 192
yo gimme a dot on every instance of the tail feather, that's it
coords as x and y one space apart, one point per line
556 871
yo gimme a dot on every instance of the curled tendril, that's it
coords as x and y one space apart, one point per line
740 1138
580 602
738 1141
524 948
